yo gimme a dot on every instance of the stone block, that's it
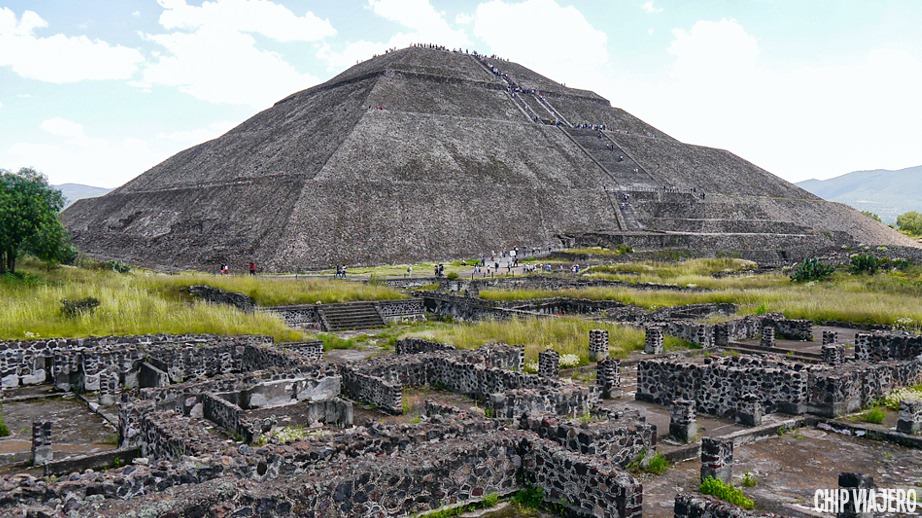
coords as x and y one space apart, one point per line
768 336
608 378
683 425
830 337
716 459
854 481
749 410
653 343
42 452
833 354
549 364
598 344
910 421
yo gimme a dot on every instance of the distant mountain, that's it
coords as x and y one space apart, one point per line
75 191
885 193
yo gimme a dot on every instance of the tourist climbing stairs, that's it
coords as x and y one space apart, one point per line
519 101
625 171
350 315
630 217
550 109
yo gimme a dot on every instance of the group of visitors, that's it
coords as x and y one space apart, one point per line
340 272
225 269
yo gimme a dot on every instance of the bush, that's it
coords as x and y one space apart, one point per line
875 415
910 222
749 480
811 270
4 429
657 464
726 492
117 266
569 360
864 263
530 496
452 275
75 308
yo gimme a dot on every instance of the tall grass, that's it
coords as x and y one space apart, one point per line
566 335
129 304
268 291
885 298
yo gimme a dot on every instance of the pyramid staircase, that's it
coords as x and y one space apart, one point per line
350 315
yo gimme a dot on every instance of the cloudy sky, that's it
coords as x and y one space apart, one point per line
98 91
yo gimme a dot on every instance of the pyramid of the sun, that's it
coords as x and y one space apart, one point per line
428 154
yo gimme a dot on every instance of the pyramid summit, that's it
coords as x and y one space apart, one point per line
425 153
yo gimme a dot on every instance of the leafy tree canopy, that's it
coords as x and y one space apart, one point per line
910 222
29 222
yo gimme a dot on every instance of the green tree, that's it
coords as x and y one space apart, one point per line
871 215
910 222
29 222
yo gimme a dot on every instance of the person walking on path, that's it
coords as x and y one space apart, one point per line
252 268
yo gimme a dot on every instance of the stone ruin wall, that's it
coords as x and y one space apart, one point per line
718 384
621 438
880 346
746 328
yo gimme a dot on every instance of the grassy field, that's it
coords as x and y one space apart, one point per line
129 304
147 302
270 291
885 298
566 335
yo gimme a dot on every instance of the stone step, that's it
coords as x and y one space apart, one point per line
350 315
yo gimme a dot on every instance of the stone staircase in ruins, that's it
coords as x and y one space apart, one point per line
350 315
606 152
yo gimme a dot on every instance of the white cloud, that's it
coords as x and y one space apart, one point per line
72 154
223 66
68 154
59 58
424 23
136 14
810 121
576 53
62 127
650 8
211 52
262 17
712 49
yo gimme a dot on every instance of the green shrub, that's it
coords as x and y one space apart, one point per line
657 465
811 270
871 215
452 275
910 222
875 415
529 496
726 492
117 266
864 263
4 429
749 480
74 308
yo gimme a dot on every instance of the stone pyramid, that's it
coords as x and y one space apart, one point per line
430 154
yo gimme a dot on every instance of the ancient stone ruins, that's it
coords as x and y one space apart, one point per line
424 154
201 420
